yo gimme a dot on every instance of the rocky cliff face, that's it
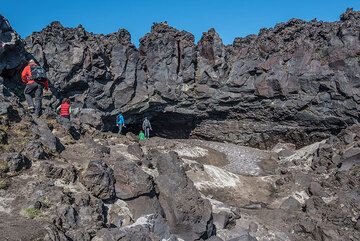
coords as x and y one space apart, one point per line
67 181
296 82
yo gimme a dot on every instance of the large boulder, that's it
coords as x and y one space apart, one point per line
79 213
131 181
136 187
15 161
98 178
188 214
46 137
59 171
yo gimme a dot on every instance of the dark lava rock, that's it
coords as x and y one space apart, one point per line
81 213
68 173
91 117
54 234
35 150
98 178
46 137
16 161
99 149
131 181
315 189
291 204
221 219
188 214
135 149
12 52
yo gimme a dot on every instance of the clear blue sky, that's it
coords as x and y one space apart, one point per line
231 18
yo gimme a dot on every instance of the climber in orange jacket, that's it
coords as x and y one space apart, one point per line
34 77
65 109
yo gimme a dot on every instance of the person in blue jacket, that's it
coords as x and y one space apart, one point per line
120 122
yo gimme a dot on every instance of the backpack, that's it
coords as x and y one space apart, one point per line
37 73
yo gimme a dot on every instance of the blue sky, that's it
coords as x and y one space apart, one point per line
231 18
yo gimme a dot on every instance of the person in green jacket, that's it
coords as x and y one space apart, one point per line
141 136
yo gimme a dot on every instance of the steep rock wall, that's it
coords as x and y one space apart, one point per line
295 82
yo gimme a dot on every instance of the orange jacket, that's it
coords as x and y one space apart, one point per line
26 74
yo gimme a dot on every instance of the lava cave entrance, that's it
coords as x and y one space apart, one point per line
166 125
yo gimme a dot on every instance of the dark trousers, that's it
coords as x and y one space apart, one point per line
37 90
147 132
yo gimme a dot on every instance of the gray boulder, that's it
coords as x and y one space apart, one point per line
131 181
188 214
16 161
35 150
98 178
135 149
54 170
46 137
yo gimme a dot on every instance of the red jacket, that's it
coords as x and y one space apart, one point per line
65 109
26 74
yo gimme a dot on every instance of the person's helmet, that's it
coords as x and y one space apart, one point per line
31 61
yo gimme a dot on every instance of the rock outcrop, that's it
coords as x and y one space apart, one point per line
295 82
188 214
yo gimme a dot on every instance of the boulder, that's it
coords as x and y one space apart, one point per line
291 204
119 214
135 149
35 150
99 179
131 181
46 137
16 161
188 214
315 189
284 149
66 172
80 214
91 117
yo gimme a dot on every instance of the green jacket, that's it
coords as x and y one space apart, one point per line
141 136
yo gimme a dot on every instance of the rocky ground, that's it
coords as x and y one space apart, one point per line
69 181
290 91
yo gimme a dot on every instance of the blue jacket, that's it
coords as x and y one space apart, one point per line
120 119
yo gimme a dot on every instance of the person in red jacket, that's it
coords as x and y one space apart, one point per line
35 85
65 109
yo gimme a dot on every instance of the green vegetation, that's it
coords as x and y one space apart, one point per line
4 167
45 202
3 184
31 212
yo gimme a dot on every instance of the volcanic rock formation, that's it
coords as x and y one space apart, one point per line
296 82
74 180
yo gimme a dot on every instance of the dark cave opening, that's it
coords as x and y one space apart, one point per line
167 125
